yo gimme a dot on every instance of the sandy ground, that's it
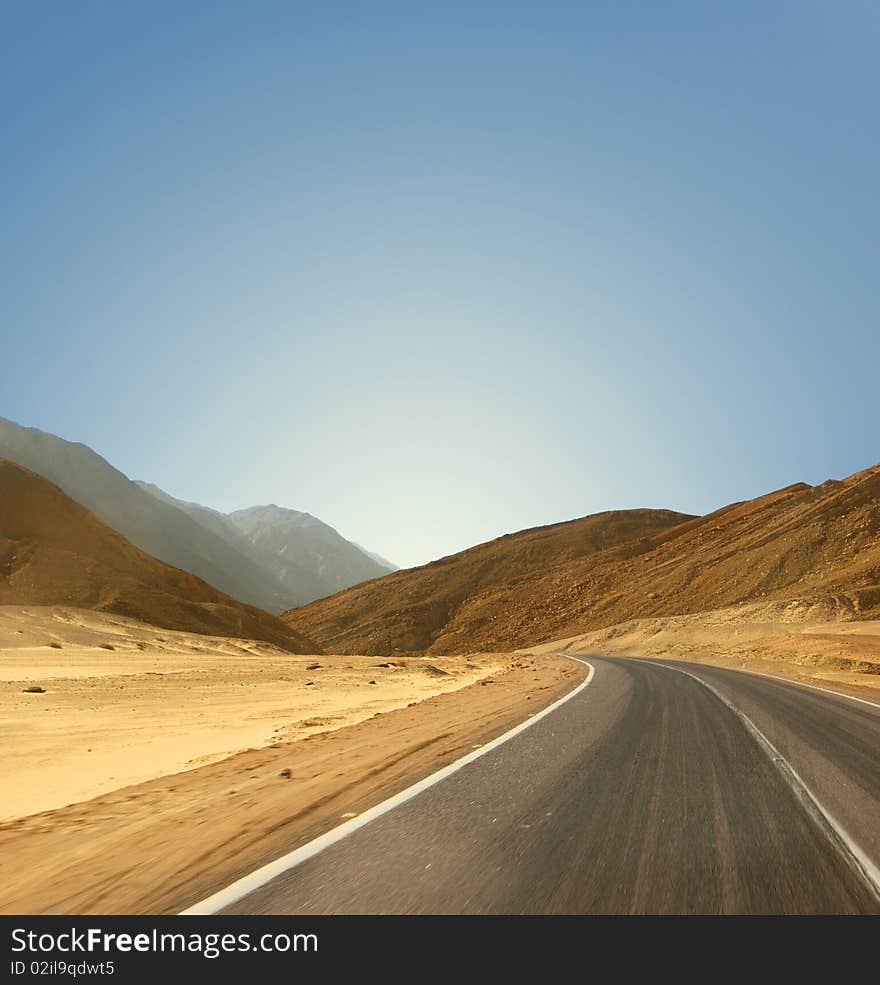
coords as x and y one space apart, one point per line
187 761
125 702
797 639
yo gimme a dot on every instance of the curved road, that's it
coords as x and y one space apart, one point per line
659 788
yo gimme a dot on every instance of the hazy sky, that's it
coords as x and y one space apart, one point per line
439 271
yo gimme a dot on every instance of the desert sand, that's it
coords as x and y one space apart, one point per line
148 775
125 702
813 642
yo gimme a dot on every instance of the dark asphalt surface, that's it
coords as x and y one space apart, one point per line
645 793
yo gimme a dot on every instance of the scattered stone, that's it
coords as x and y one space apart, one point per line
435 671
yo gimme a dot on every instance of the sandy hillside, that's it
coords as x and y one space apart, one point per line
814 642
54 552
816 543
474 597
125 702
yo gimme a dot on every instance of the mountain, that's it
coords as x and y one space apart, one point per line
55 552
462 601
802 542
294 540
243 563
388 565
157 527
307 557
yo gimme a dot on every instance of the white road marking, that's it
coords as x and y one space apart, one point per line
259 877
812 687
839 836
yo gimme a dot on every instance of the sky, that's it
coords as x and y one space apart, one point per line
438 272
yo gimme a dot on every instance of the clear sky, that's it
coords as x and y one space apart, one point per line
439 271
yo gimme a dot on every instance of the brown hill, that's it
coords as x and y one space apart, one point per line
467 598
54 552
799 542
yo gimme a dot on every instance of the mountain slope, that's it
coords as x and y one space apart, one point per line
306 556
298 590
378 558
428 608
290 541
157 527
54 552
270 558
799 542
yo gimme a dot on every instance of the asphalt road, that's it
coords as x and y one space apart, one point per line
645 793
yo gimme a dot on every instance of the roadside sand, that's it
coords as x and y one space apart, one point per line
160 845
798 639
160 702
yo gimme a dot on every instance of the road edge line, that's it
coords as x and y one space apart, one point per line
852 853
812 687
260 877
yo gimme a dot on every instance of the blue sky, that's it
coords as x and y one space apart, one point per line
436 272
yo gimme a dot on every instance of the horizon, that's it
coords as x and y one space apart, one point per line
439 276
367 549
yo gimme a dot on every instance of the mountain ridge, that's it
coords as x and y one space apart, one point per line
801 541
53 551
306 556
185 535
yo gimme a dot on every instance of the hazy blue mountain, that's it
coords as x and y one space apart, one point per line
266 556
390 565
307 557
293 539
155 526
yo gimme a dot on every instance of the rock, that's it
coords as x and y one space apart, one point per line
285 774
433 671
36 689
